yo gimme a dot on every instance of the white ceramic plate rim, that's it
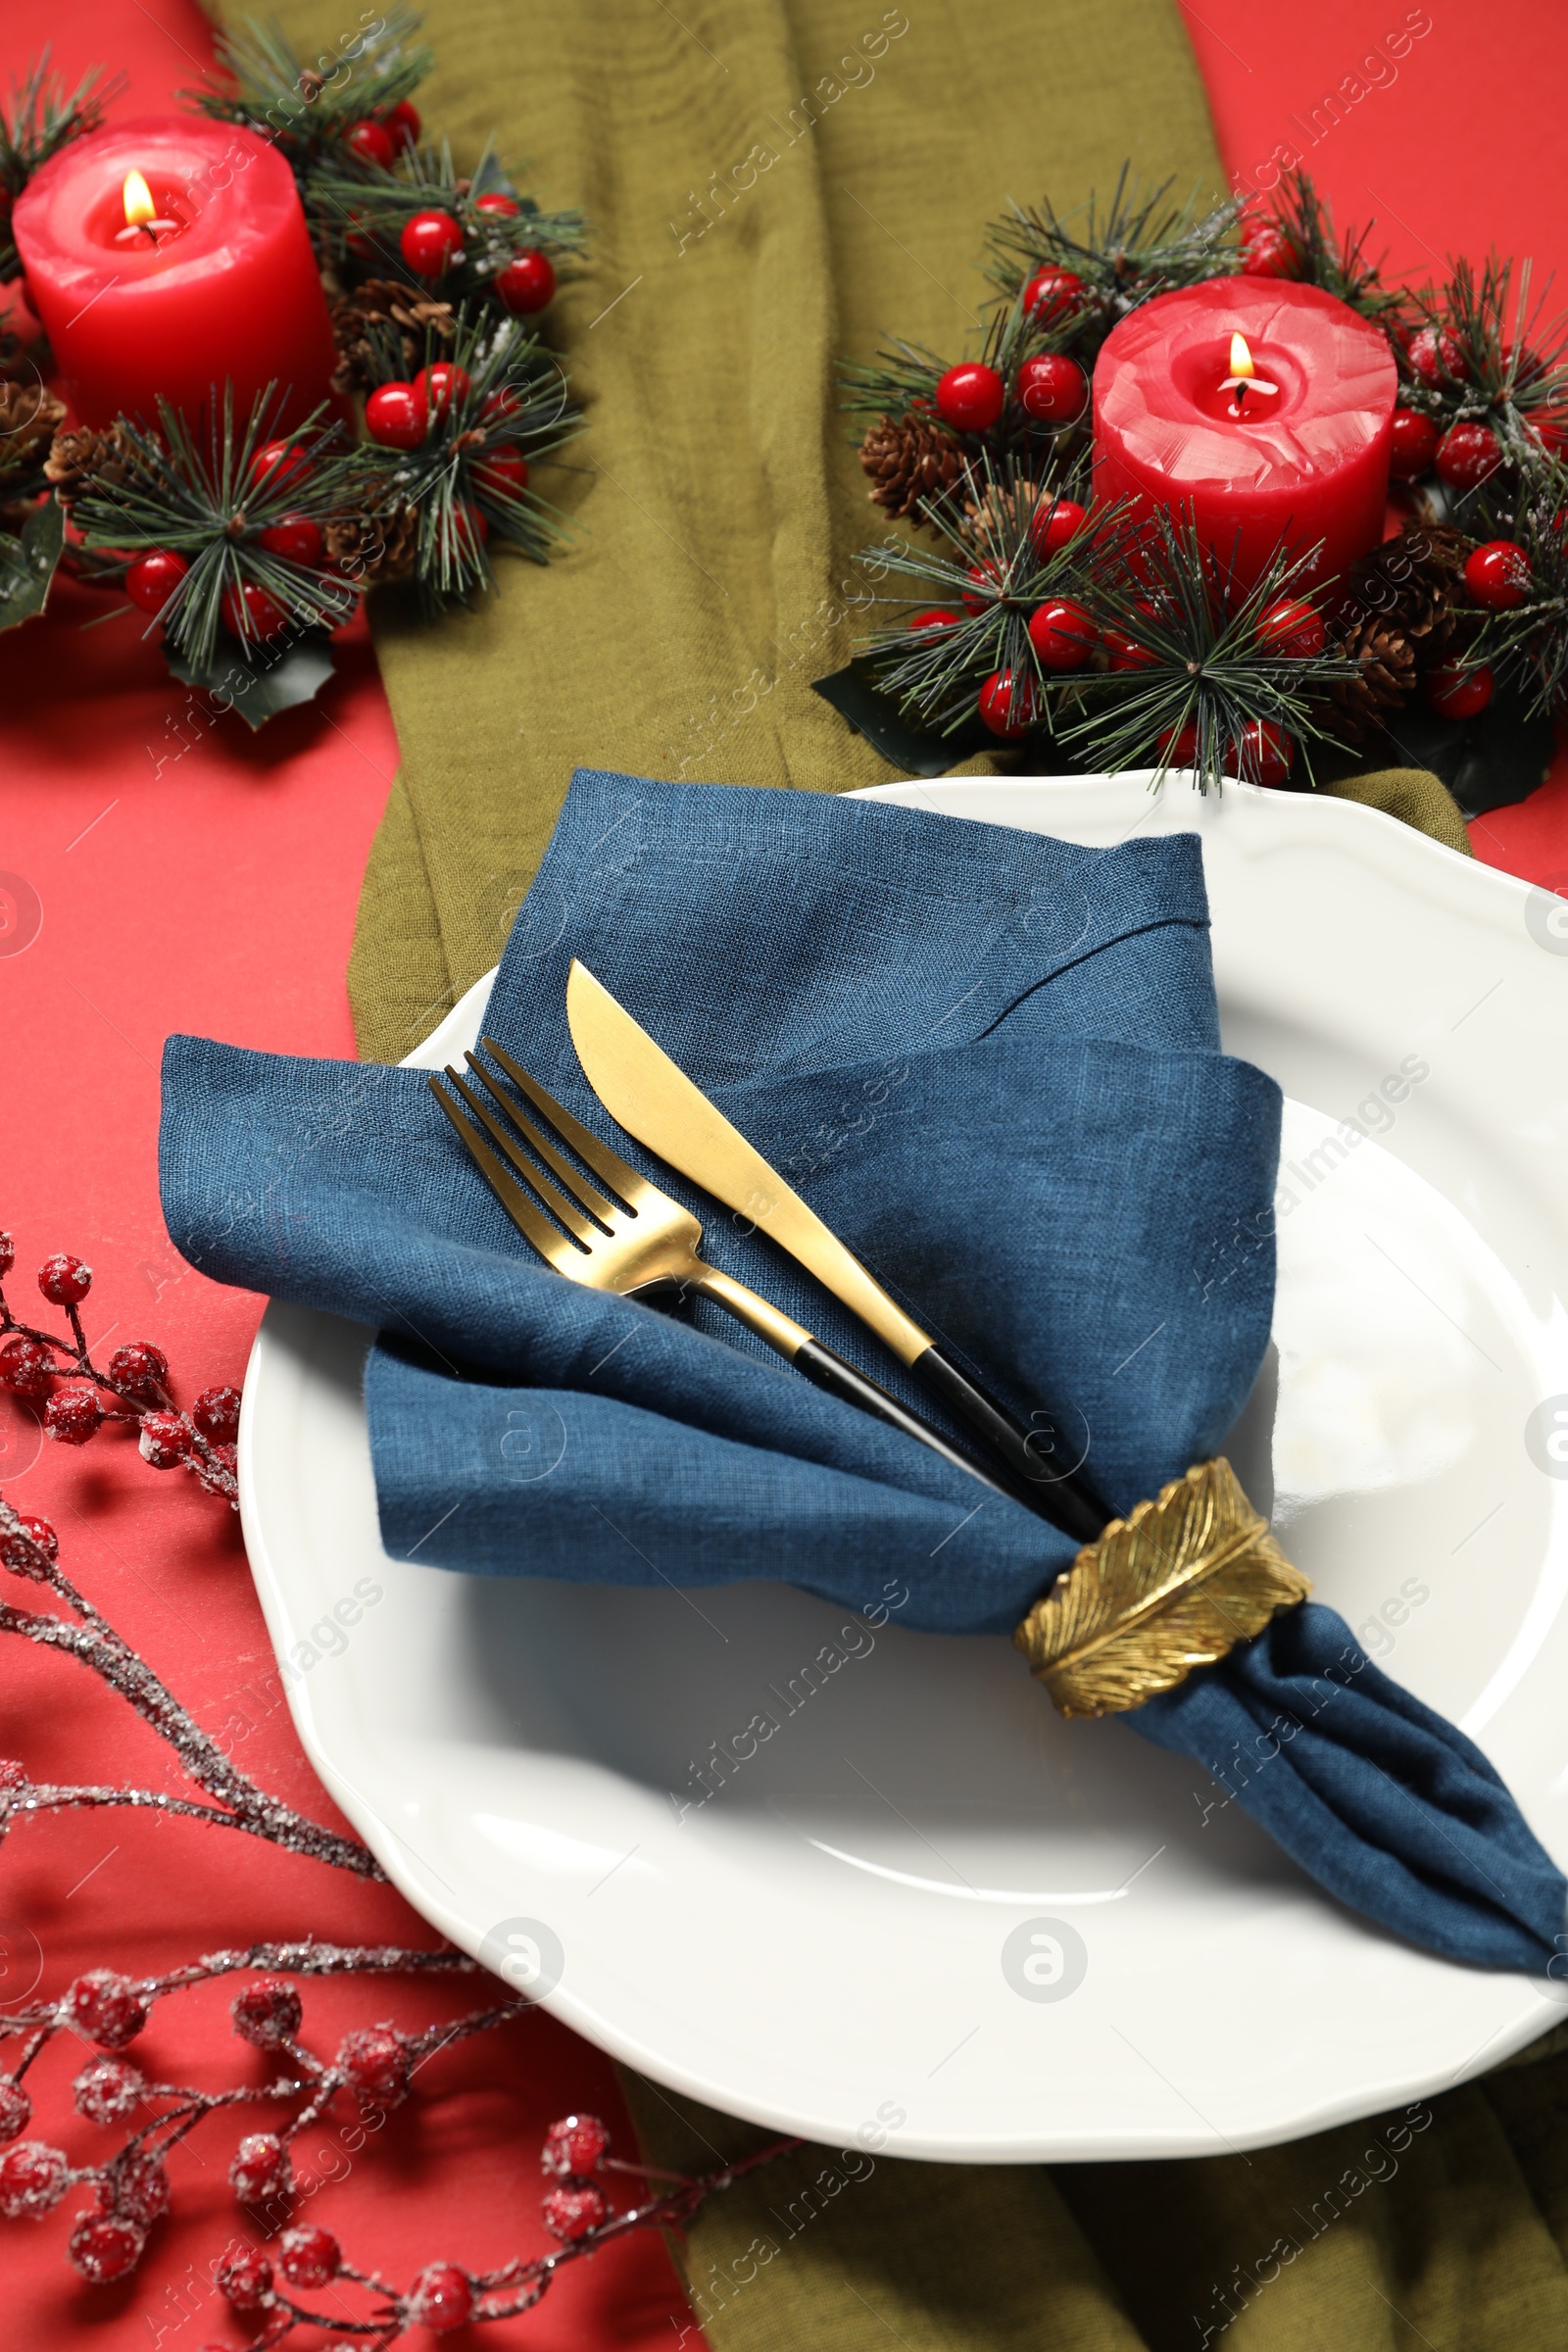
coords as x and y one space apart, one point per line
346 1759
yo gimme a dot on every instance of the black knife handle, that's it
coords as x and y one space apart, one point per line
1057 1489
840 1378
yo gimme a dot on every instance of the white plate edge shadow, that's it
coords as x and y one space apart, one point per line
1382 842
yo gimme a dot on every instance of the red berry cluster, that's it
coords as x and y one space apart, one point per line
379 139
33 1363
574 2149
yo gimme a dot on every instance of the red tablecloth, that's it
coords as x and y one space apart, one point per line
198 879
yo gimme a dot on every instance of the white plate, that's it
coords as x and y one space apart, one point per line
825 1945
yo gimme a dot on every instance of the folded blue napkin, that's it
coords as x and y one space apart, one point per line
991 1060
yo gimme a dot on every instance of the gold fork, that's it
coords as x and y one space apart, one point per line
636 1240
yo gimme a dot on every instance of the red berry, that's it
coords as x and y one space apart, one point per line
403 121
277 464
105 2246
141 1370
503 471
16 2108
13 1551
460 539
73 1415
1267 251
1126 652
1051 294
34 2177
441 2298
970 397
573 2148
1497 575
250 614
1293 628
1062 633
570 2213
65 1280
938 618
106 2007
245 2278
499 204
1054 522
309 2257
983 577
375 2064
1178 746
107 2089
1467 454
371 142
1052 389
1262 753
430 242
8 1254
1457 692
26 1367
297 539
267 2013
396 416
215 1413
152 579
441 384
527 282
1009 703
136 2186
500 404
1414 445
1435 357
164 1441
355 239
260 2170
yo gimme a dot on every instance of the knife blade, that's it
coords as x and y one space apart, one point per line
655 1101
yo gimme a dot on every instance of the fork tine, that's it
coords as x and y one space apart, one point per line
618 1173
536 1181
576 1184
534 1227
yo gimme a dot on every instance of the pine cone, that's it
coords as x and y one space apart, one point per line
374 547
1388 677
1410 586
994 515
908 462
29 417
84 460
402 312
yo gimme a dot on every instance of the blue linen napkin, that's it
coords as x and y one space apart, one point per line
991 1060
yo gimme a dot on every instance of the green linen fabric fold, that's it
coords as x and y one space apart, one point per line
1444 2223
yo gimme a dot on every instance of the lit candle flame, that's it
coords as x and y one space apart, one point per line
139 205
1244 377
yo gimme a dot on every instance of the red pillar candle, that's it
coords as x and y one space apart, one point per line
219 283
1307 461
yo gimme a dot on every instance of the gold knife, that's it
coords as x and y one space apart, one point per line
654 1099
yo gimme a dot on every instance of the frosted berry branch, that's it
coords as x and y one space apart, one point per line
136 1378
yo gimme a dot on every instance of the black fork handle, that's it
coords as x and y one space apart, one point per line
840 1378
1051 1486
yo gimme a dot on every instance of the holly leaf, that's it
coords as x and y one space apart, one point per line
258 684
856 697
28 564
1489 761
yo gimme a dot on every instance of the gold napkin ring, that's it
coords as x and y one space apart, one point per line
1175 1584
